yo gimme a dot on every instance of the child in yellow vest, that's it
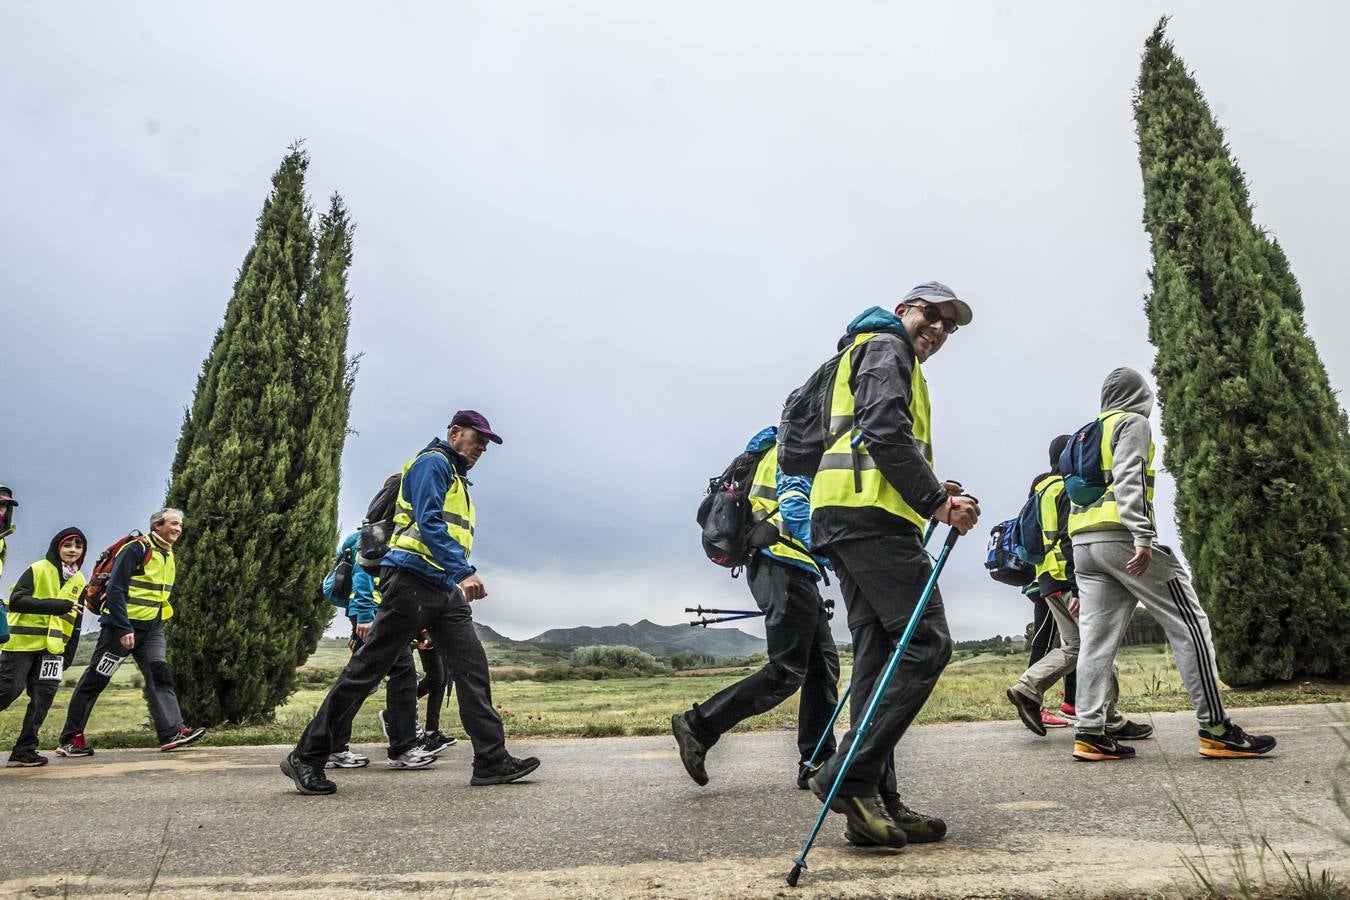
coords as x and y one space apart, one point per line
44 616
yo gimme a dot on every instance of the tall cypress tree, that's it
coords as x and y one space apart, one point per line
1256 439
256 469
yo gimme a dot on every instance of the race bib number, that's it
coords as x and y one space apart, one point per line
108 665
50 668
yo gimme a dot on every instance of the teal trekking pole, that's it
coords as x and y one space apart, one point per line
860 731
808 768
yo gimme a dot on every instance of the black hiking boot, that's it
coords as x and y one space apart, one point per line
805 773
1126 730
918 828
869 824
692 751
308 779
1028 710
1090 747
508 770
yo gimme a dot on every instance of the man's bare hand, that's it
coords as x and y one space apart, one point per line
363 630
953 488
1074 606
129 641
959 512
1138 563
473 588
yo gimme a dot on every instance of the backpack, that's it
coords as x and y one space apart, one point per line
376 529
1081 465
1028 531
804 430
341 590
97 589
730 533
1002 561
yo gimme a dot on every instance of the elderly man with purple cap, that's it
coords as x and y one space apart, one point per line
425 582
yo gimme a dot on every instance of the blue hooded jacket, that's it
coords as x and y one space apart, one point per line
794 507
361 604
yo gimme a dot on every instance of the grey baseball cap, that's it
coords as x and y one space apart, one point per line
937 292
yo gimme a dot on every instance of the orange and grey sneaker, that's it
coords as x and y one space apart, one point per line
1090 747
1231 742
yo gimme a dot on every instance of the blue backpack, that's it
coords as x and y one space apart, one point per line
1028 534
1081 465
1002 561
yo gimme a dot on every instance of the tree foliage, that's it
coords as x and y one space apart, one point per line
257 466
1256 439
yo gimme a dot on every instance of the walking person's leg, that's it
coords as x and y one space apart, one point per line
400 716
40 696
151 658
432 686
1105 606
1028 694
107 657
820 689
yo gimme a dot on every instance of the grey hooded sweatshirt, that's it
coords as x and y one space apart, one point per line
1126 389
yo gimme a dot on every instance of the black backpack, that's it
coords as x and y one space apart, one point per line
804 431
730 533
378 526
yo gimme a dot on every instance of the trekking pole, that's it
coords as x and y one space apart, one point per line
806 767
705 622
860 732
726 615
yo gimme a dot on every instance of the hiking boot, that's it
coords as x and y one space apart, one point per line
412 758
692 750
1050 720
1129 731
510 769
308 779
869 824
805 773
184 737
1234 743
346 759
918 827
75 747
26 759
1098 747
434 742
1028 710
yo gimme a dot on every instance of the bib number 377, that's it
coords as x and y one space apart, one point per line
51 668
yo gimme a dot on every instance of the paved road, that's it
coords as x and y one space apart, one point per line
618 817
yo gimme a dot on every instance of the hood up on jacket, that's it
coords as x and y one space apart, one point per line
870 320
54 548
1126 389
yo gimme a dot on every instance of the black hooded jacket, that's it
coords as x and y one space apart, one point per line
21 598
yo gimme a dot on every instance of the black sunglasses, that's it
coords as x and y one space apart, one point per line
934 315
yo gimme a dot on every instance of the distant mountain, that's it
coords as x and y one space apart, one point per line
658 640
487 635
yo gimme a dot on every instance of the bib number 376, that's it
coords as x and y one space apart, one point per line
51 668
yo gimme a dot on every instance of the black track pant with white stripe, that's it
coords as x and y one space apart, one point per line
1107 596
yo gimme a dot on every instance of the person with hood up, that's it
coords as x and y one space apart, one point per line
425 581
782 579
1119 562
7 504
873 493
44 620
1057 593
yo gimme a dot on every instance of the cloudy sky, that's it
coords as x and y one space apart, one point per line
624 231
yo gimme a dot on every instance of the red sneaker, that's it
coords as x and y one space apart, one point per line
1068 710
1050 720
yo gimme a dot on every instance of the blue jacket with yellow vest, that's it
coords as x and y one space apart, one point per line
876 477
432 481
44 608
784 500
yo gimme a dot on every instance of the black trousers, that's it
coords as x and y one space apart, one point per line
432 686
1044 638
882 579
801 655
410 604
150 654
19 671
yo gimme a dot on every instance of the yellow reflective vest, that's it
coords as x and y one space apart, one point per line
1055 565
1103 513
457 511
43 632
848 475
148 591
764 501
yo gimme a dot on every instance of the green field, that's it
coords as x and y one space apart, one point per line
970 690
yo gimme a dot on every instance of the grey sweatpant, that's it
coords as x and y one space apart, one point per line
1062 660
1107 595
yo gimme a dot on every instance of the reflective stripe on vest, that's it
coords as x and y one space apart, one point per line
148 591
1054 564
848 474
1104 512
457 511
43 632
764 505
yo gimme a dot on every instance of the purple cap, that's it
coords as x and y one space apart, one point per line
472 418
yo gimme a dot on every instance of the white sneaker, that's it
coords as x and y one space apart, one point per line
346 760
416 758
384 726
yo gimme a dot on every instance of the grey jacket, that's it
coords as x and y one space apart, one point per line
1130 441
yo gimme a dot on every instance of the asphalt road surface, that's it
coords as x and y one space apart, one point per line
618 817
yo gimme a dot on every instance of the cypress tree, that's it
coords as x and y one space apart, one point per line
1255 437
256 468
